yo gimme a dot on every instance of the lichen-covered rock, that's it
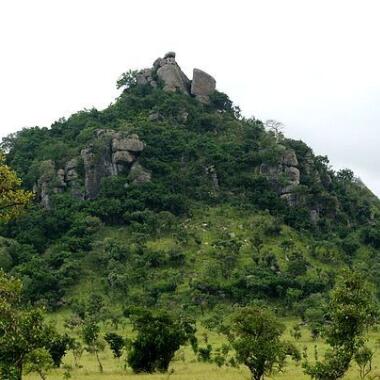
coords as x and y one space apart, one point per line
202 85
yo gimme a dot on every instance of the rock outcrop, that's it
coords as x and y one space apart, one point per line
167 71
202 85
111 153
51 181
285 176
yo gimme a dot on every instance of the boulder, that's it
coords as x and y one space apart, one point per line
173 78
131 143
123 156
202 85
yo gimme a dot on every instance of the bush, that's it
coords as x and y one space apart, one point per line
159 336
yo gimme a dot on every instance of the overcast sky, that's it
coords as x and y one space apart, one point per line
313 65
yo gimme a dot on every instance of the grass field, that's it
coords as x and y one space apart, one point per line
185 366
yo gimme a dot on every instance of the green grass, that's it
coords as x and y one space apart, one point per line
185 366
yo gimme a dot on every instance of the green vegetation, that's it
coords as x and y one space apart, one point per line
255 336
219 233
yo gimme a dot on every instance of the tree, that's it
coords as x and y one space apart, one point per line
255 334
351 311
276 128
116 343
12 198
58 346
363 358
23 332
127 80
39 361
159 336
91 339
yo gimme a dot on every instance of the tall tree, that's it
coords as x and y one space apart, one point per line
350 312
255 335
23 330
12 198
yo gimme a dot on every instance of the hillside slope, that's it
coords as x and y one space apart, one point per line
169 197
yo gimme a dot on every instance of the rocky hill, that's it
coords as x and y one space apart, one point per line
170 196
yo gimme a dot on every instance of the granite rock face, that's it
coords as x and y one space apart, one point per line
285 176
172 76
111 153
202 85
167 71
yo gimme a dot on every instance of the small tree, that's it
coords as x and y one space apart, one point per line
276 128
12 198
39 361
363 358
77 349
24 335
116 343
159 336
58 346
255 335
351 311
295 332
127 80
91 339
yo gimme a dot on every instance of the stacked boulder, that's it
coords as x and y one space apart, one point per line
167 71
110 154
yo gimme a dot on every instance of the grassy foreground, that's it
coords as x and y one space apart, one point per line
186 367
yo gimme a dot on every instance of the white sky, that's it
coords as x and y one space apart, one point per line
314 65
